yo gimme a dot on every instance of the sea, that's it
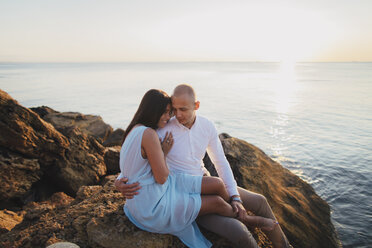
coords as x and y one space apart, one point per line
313 118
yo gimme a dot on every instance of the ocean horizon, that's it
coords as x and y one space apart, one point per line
314 118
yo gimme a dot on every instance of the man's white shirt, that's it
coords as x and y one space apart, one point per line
189 148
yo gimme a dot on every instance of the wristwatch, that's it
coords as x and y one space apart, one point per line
236 198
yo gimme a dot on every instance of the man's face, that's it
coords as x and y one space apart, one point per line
184 109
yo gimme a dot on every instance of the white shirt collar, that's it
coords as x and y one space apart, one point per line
182 126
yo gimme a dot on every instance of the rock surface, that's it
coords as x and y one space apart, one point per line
111 157
63 245
34 156
88 124
37 159
9 219
302 214
115 139
94 219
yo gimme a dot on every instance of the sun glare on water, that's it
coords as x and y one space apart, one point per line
285 86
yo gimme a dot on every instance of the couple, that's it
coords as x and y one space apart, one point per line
165 181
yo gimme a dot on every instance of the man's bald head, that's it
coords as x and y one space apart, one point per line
184 89
185 105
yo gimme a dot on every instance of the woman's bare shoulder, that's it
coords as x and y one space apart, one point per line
149 135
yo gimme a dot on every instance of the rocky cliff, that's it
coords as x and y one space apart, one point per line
302 214
35 157
54 186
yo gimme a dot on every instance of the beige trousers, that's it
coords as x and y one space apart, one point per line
235 231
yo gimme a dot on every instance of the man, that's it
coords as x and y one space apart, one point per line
193 136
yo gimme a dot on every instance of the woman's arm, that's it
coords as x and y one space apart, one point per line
155 155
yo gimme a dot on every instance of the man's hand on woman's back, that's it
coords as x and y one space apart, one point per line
127 190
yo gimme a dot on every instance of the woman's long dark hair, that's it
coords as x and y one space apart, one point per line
152 107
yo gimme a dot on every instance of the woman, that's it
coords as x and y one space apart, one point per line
167 202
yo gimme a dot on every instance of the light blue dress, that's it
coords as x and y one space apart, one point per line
171 207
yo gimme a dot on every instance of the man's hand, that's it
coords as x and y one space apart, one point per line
239 209
127 190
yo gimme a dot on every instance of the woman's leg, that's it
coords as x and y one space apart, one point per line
215 198
214 186
266 224
214 204
215 201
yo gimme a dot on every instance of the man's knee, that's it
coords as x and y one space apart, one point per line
262 200
263 208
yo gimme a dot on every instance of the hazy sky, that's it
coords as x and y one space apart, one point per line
171 30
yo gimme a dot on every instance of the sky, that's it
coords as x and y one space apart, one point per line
171 30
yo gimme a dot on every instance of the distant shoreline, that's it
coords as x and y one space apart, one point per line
177 62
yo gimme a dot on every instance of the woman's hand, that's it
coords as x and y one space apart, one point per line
167 143
239 210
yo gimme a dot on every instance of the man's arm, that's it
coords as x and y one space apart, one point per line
127 190
218 158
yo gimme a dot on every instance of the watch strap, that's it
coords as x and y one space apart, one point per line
236 198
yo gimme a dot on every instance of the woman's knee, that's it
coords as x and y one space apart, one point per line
218 201
218 183
211 185
222 189
213 204
216 186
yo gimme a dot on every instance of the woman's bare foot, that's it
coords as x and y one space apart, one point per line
266 224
